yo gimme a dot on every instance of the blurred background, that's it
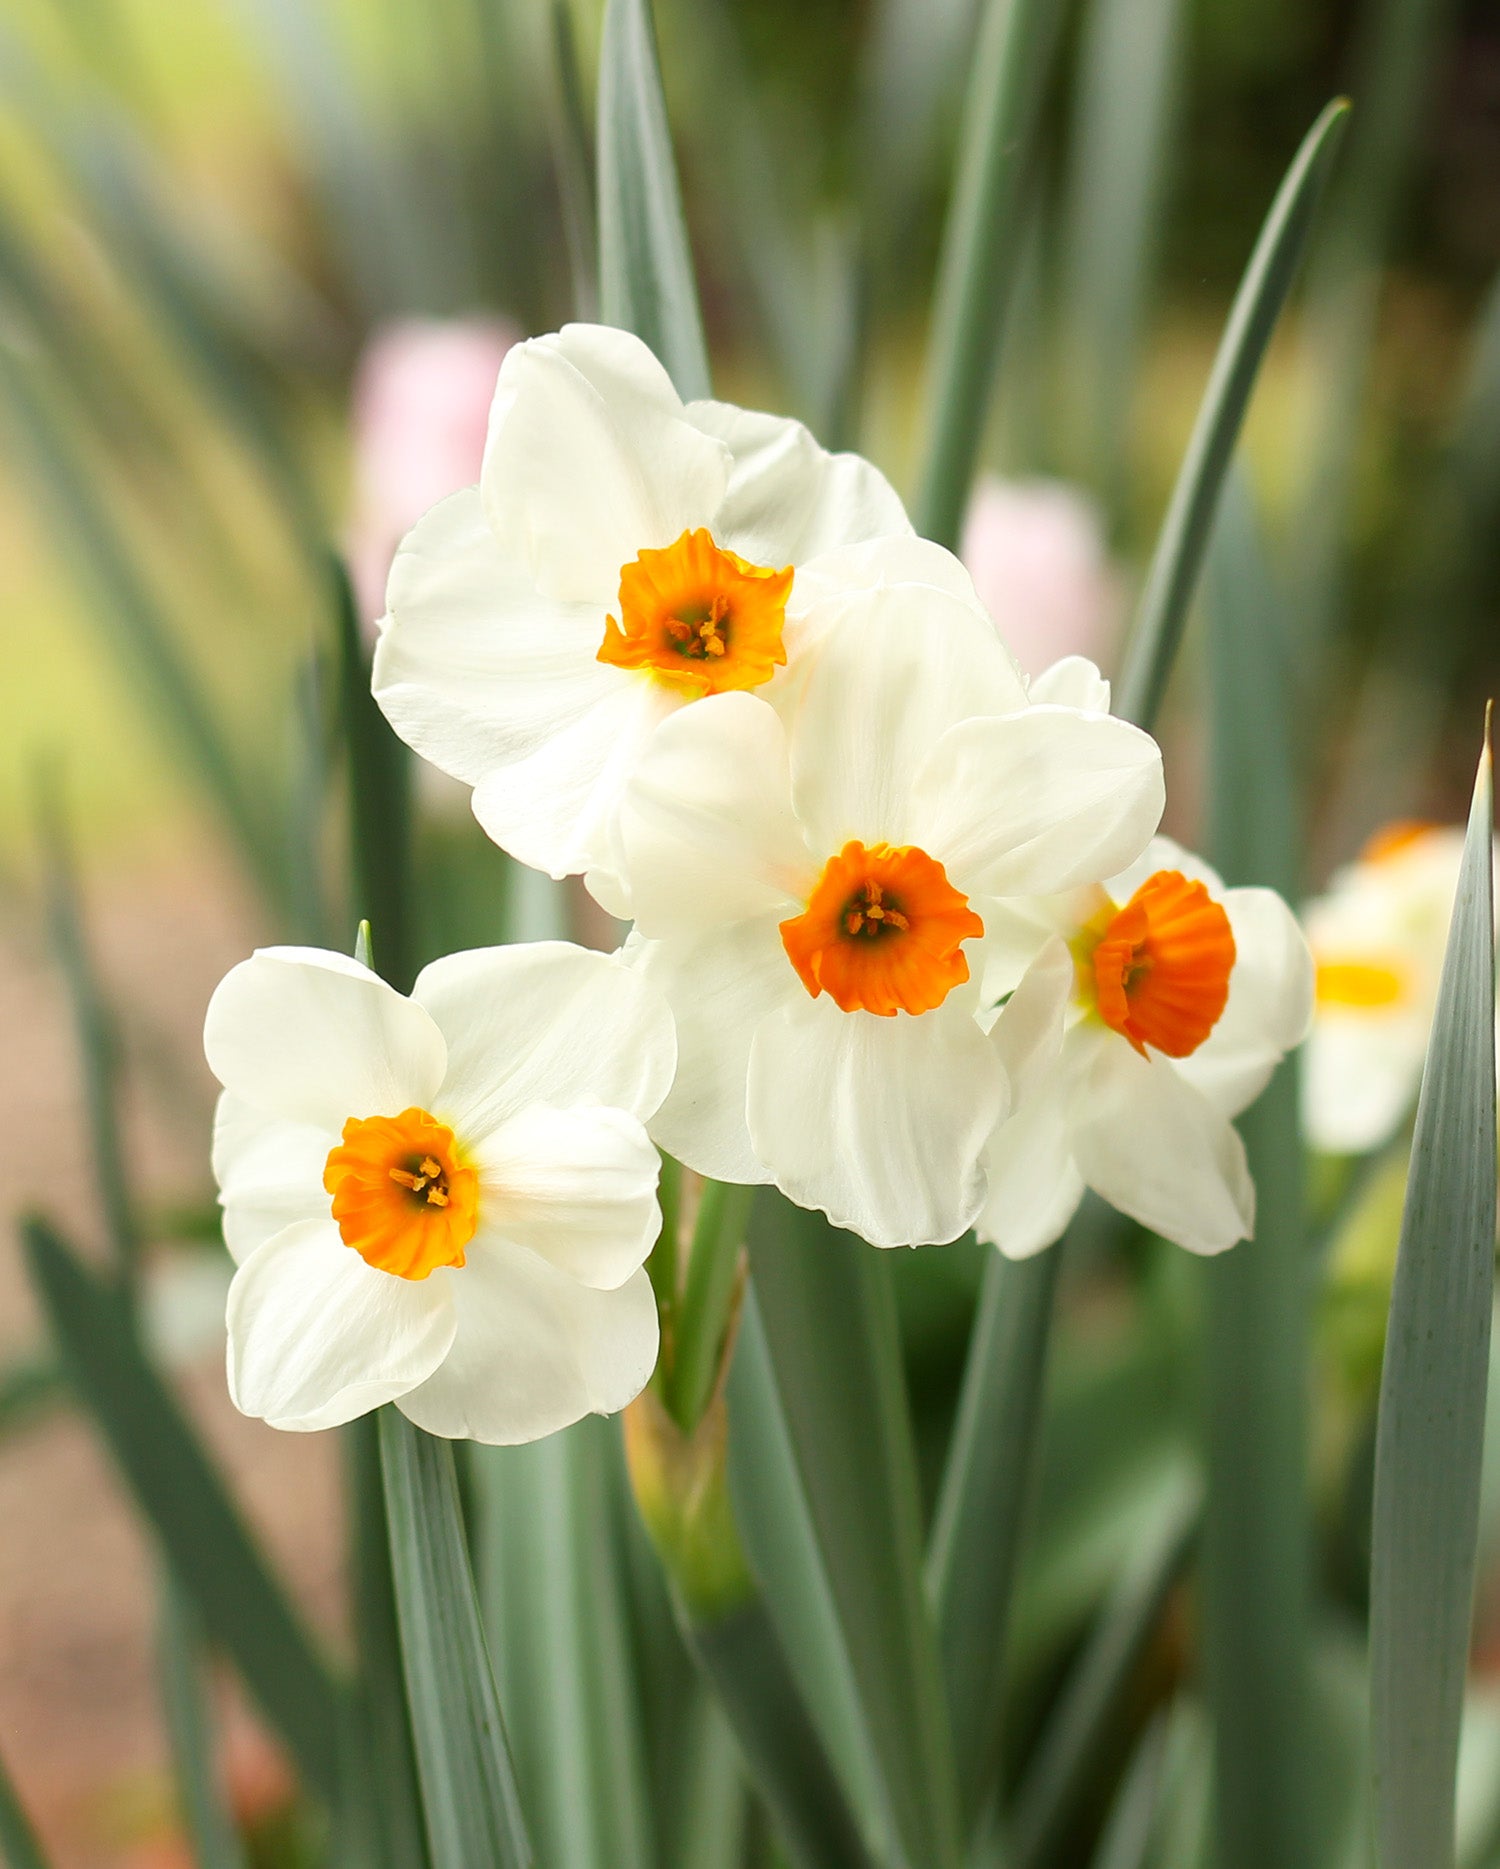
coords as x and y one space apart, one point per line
259 261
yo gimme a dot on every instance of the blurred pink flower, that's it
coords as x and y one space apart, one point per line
420 406
1035 550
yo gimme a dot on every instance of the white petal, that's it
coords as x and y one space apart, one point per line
535 1350
1017 928
1034 1183
588 463
269 1171
895 670
707 829
1360 1076
788 498
316 1038
1072 682
544 1022
576 1186
878 564
558 809
1038 802
1270 1002
877 1122
1165 853
1158 1150
720 986
474 667
1028 1034
317 1336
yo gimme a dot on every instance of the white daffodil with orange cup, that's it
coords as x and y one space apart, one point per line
1140 1015
445 1200
813 894
624 555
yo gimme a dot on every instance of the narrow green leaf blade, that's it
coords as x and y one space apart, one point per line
18 1841
982 247
216 1842
1186 529
975 1546
463 1759
1430 1432
182 1496
843 1392
1258 1534
646 280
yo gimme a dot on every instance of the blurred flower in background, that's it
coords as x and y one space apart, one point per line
1377 937
420 407
1036 552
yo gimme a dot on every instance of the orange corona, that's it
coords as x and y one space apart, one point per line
698 618
403 1196
1160 969
882 931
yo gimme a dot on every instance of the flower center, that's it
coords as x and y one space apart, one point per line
1395 838
1361 984
403 1196
882 931
698 619
1161 967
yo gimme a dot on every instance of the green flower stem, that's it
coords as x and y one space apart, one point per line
711 1285
662 1266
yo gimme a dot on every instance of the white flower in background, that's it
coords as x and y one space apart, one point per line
1156 1008
1378 938
809 893
623 555
419 401
443 1201
1036 552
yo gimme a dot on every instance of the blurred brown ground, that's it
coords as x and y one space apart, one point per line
79 1722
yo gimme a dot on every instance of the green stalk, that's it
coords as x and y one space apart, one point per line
18 1841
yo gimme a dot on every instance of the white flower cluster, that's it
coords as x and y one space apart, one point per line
904 941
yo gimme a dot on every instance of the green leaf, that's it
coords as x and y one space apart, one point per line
646 282
1430 1434
976 1537
132 624
463 1758
742 1656
379 800
381 1809
95 1032
982 243
216 1843
18 1842
552 1586
1084 1718
572 160
1258 1536
830 1324
181 1495
1183 540
1125 110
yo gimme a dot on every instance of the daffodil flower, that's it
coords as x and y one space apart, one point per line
445 1200
623 555
1155 1008
809 891
1378 938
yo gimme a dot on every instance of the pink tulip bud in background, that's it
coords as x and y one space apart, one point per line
1035 550
420 406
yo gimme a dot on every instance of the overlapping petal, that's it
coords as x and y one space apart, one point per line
577 1187
1034 1183
534 1350
269 1172
1270 1002
545 1022
316 1038
317 1337
878 1122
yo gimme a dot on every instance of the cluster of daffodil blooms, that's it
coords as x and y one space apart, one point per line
905 942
